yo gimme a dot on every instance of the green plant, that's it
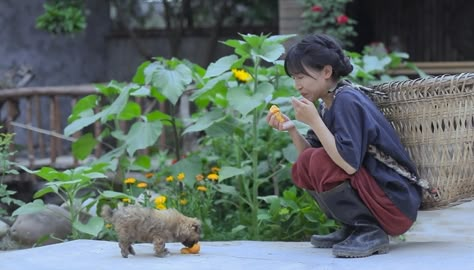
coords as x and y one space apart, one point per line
6 168
329 16
74 187
234 98
372 65
63 17
293 217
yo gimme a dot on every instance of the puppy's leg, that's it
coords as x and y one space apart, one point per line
126 248
131 250
159 246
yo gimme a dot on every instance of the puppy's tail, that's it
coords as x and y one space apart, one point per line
107 213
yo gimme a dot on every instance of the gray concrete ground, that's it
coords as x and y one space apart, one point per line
441 239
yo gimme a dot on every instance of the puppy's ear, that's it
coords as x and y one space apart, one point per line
196 227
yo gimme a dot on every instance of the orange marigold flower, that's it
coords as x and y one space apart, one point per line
142 185
149 175
213 177
215 169
169 178
180 176
199 177
130 180
202 188
126 200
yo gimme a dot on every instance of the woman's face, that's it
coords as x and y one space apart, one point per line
315 84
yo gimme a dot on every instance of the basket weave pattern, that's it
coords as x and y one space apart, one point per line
435 120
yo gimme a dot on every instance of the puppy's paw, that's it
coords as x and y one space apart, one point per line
162 253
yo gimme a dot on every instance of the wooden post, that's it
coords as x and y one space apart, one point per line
29 121
290 16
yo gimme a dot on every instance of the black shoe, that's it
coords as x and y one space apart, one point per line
328 240
364 241
367 237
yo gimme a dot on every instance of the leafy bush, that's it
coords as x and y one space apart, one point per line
62 17
329 16
6 168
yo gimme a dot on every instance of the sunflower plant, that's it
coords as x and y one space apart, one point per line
233 99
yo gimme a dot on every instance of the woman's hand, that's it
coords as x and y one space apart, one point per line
305 111
282 126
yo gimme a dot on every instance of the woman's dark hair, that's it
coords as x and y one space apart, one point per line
315 52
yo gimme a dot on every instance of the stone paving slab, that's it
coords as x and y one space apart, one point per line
440 239
105 255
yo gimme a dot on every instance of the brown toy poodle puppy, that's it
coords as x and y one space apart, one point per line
135 223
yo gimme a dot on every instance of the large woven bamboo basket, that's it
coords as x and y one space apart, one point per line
435 120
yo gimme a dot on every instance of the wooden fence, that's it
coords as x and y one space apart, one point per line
42 123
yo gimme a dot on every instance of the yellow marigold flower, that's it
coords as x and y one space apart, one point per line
160 199
183 201
215 169
149 175
108 225
126 200
160 206
199 177
142 185
241 75
213 177
130 180
202 188
180 176
169 178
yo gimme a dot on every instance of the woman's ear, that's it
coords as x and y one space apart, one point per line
327 71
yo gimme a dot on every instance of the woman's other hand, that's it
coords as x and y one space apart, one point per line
305 111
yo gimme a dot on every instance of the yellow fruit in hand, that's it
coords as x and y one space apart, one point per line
192 250
276 111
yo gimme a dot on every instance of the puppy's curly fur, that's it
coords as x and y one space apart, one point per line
135 223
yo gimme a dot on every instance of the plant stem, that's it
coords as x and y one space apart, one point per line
255 149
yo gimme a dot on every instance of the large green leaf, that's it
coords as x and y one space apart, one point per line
84 146
140 75
142 161
253 40
113 195
373 63
244 103
80 123
270 52
142 135
30 208
226 127
212 84
190 166
228 172
279 38
85 103
51 174
115 108
170 82
131 110
290 153
206 121
93 226
220 66
142 91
